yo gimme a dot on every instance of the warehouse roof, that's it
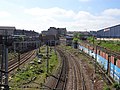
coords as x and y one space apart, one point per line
7 28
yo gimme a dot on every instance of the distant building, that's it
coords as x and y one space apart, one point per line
7 30
50 40
55 31
85 33
109 32
62 31
52 31
52 35
69 40
44 33
26 35
93 33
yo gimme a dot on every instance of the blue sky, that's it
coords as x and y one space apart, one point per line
76 15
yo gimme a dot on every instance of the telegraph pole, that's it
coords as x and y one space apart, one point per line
6 60
95 59
39 46
14 48
19 59
2 62
108 64
47 64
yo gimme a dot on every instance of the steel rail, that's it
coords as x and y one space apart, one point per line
62 79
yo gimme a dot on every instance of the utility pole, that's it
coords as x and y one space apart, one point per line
47 63
96 59
6 64
5 51
19 59
39 46
108 65
93 40
115 59
14 47
2 62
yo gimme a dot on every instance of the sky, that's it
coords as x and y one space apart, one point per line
74 15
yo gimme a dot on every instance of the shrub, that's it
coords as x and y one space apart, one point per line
117 86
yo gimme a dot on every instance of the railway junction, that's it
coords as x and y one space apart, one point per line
55 64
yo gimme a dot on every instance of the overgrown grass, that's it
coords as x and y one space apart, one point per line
25 75
53 62
34 70
112 45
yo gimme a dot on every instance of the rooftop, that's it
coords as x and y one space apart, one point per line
7 27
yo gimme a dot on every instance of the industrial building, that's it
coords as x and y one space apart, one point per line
69 40
110 32
55 31
52 35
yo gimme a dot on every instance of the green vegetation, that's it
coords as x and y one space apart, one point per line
12 55
112 45
53 62
34 71
117 86
91 39
106 88
77 37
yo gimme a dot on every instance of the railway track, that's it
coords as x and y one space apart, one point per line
63 72
76 76
78 80
14 60
23 58
58 80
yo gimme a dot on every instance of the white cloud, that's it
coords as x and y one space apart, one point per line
4 14
73 20
51 12
41 19
112 12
